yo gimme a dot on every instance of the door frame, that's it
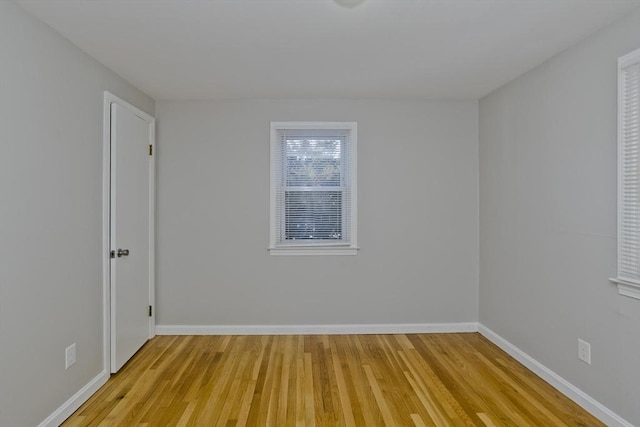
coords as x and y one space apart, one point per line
109 99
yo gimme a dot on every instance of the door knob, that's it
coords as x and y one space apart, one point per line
122 252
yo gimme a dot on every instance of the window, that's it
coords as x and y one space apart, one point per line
628 279
313 188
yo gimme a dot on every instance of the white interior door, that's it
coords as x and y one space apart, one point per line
130 233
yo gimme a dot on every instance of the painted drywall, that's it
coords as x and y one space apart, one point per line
548 219
51 101
417 217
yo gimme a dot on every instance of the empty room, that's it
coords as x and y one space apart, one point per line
319 213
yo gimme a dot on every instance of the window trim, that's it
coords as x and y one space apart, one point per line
625 287
321 247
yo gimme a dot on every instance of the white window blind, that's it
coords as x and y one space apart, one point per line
629 168
312 187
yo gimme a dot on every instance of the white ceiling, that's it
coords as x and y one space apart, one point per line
212 49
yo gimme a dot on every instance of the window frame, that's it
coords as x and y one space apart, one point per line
625 287
319 247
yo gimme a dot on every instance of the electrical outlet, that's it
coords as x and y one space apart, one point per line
70 356
584 351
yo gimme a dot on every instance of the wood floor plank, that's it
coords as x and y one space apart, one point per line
364 412
417 421
429 402
380 399
309 398
345 401
351 381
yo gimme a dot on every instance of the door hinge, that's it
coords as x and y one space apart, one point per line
150 150
150 311
113 254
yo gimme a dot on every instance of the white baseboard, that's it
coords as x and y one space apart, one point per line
75 401
591 405
400 328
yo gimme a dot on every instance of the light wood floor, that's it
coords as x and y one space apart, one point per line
356 380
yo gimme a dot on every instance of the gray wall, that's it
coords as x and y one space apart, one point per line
51 98
418 215
548 219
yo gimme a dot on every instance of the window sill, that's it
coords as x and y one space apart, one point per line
308 250
628 289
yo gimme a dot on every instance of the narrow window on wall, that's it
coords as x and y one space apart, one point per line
313 188
628 279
